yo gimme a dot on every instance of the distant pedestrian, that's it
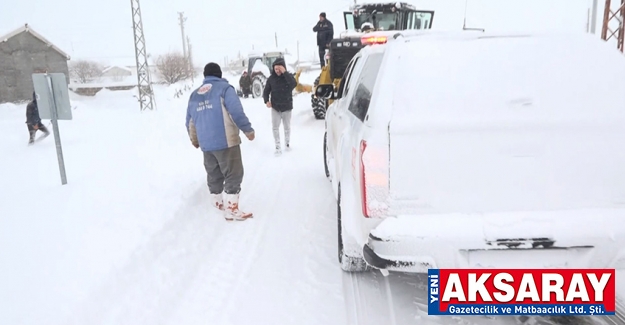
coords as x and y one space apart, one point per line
280 85
33 121
325 34
245 84
214 117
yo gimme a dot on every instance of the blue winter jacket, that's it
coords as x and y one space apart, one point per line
215 116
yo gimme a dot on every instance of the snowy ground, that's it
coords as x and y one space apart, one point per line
132 240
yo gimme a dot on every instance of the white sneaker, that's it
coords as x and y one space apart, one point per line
288 147
278 151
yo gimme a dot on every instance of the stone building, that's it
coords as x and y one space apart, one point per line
22 53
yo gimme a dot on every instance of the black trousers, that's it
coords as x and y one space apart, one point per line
32 131
322 56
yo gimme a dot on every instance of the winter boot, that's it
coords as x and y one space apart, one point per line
217 201
232 209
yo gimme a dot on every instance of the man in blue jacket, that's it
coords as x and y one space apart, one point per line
214 117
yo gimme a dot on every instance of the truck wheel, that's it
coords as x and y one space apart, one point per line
348 263
325 154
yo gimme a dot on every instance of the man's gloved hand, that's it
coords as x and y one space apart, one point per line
250 135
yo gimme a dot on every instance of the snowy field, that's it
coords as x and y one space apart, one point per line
131 238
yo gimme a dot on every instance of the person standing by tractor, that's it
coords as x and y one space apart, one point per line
214 117
245 83
280 85
325 34
33 121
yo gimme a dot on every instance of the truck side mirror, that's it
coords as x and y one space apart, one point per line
325 91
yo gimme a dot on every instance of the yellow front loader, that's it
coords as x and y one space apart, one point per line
375 16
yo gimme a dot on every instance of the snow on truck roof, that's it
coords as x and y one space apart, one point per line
366 5
483 77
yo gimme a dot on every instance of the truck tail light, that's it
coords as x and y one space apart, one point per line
374 180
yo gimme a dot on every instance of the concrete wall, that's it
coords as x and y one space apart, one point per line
92 91
20 57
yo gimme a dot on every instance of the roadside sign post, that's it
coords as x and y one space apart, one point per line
52 96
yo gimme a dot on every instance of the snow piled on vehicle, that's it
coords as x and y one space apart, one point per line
498 137
259 66
465 81
508 124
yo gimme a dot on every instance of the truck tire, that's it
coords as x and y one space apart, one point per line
348 263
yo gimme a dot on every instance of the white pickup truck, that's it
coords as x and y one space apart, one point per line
477 150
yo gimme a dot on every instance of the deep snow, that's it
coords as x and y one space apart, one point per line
131 238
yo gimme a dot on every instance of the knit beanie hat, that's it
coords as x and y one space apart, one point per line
212 69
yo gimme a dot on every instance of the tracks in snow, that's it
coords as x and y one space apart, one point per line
195 253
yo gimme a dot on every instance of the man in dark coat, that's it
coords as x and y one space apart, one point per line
325 34
245 83
280 86
33 121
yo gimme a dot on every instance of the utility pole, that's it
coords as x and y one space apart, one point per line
181 20
466 5
593 17
144 82
608 16
276 35
190 54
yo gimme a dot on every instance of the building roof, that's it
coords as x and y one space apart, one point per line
116 66
29 29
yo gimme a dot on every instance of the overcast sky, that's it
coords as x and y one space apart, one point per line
102 30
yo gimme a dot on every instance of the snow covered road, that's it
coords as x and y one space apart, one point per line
131 238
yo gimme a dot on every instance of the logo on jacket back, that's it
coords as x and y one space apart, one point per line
205 104
204 89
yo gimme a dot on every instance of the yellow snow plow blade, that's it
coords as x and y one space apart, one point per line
302 88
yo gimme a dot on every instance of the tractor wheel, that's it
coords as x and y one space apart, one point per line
258 86
319 105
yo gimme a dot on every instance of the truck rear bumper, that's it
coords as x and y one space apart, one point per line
553 239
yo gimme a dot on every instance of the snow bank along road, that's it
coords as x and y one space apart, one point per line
132 240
